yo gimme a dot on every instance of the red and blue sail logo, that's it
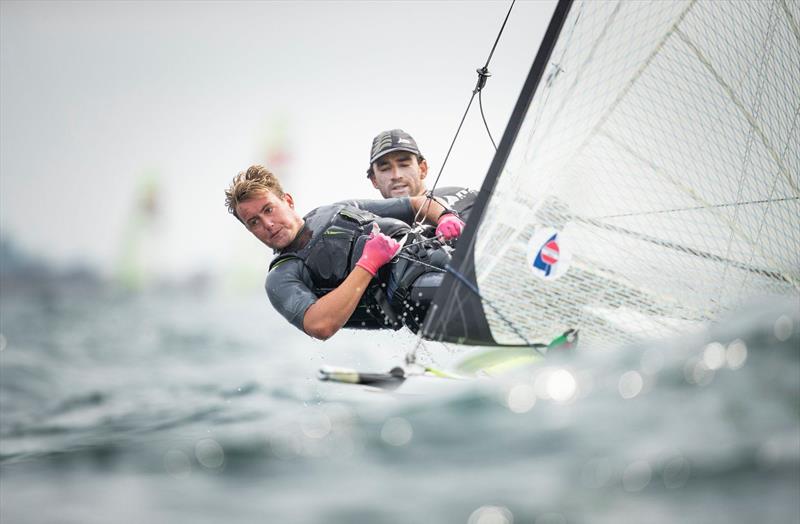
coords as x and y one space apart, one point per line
548 254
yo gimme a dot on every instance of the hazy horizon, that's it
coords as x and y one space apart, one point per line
103 102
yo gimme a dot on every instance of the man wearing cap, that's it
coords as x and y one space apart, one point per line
356 264
398 169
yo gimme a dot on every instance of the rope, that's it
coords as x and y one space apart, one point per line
461 278
483 76
485 124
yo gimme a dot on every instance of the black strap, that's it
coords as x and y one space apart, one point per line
386 308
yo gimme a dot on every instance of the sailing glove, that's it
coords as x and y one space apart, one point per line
378 250
449 227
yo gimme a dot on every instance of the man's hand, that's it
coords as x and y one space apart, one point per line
449 227
378 250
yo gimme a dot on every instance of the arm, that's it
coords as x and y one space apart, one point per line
328 314
406 209
431 209
448 225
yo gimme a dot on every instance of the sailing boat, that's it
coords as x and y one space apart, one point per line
648 180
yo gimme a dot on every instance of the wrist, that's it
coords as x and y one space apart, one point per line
367 266
447 212
449 226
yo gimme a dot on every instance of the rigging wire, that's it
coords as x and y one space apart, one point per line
483 76
472 287
486 125
695 208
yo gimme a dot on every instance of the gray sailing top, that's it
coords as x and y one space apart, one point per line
289 285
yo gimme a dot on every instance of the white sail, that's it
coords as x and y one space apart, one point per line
654 182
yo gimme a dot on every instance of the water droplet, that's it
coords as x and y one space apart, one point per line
630 385
521 398
736 354
714 355
561 385
491 515
209 453
397 431
676 472
316 424
783 328
636 476
696 372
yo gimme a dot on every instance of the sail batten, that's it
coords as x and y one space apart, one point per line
647 183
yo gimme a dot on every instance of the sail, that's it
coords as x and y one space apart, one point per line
648 179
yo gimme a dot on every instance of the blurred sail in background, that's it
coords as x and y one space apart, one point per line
249 258
141 240
277 145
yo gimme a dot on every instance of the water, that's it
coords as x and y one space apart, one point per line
180 407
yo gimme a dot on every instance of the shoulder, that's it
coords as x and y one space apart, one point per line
287 271
454 195
453 191
399 208
289 290
324 210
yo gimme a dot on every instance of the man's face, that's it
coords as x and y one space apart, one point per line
399 174
272 219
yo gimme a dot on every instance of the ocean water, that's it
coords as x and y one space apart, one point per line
181 407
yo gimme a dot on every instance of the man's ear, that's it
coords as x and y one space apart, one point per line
423 169
289 200
374 182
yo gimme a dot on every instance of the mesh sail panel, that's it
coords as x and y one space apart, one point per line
654 182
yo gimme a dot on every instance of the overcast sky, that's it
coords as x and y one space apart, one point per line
96 98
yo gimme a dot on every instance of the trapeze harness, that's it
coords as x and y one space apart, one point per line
330 244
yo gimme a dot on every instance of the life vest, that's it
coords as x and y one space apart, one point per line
330 244
458 199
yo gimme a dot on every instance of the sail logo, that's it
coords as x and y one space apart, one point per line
548 254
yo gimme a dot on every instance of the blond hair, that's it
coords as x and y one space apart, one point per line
254 182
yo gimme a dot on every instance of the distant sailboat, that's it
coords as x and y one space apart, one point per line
141 237
247 258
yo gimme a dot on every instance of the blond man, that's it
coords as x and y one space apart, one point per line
344 265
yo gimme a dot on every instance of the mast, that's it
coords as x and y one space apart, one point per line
457 314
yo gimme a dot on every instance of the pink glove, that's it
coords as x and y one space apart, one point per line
449 227
378 250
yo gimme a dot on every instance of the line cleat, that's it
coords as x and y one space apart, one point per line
567 340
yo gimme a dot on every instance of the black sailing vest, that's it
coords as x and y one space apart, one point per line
458 199
330 244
